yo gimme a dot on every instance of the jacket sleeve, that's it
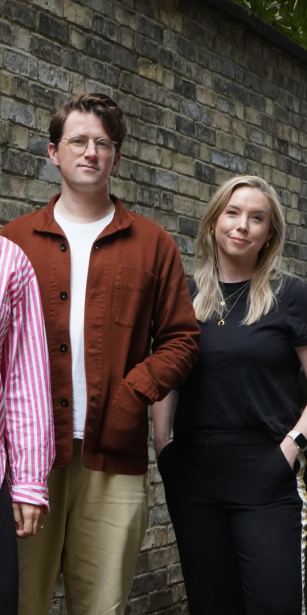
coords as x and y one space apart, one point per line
175 334
27 397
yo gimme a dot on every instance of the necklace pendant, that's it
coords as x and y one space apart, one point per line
221 322
222 303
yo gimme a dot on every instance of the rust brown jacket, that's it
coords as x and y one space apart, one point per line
136 292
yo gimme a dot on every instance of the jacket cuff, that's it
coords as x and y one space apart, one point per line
139 380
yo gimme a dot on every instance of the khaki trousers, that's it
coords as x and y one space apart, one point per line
92 535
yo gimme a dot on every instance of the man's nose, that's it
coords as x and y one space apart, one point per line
91 151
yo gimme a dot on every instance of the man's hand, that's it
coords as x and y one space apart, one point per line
28 519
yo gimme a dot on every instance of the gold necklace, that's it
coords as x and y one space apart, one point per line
223 302
242 289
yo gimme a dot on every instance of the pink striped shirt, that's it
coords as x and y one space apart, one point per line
26 422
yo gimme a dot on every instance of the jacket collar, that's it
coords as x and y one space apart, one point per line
45 223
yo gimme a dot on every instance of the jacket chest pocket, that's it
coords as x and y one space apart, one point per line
133 295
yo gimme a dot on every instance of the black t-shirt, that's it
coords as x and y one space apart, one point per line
245 376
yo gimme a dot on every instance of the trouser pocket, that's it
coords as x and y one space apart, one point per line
256 474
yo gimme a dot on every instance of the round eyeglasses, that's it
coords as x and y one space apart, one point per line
78 144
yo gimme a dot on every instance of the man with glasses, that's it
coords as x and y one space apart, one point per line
111 282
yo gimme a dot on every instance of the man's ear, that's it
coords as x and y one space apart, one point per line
53 154
117 158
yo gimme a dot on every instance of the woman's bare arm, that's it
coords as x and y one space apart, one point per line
288 445
163 417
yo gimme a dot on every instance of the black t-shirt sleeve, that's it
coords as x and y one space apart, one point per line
297 312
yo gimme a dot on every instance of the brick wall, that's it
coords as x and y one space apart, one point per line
206 97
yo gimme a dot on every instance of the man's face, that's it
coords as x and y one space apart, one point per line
86 172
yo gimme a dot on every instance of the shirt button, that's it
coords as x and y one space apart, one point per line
63 247
64 402
63 348
64 295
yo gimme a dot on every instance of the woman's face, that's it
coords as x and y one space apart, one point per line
244 226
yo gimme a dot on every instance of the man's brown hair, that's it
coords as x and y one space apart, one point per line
103 106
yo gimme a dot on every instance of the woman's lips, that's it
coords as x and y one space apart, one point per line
239 240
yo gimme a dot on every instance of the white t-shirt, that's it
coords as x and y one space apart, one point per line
81 238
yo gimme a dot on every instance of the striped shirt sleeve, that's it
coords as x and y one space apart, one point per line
27 408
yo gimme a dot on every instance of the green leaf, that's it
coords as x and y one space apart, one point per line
288 16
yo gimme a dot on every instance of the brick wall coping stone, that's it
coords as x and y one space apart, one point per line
262 27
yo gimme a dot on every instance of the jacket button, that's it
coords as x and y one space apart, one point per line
64 402
63 247
64 295
63 348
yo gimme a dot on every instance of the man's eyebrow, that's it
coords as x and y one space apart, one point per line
79 134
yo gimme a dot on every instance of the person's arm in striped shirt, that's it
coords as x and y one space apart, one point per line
27 400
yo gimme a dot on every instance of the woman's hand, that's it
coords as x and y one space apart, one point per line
290 450
28 518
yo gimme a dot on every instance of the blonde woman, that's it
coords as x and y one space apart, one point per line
234 473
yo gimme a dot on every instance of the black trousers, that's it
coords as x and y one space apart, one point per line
8 555
239 514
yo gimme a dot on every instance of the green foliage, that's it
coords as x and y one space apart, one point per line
289 16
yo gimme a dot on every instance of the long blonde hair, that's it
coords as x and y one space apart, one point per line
262 295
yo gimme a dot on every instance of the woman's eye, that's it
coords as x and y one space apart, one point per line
231 212
257 218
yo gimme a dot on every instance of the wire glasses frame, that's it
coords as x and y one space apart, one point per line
79 143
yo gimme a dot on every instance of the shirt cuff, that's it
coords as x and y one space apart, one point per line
31 493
